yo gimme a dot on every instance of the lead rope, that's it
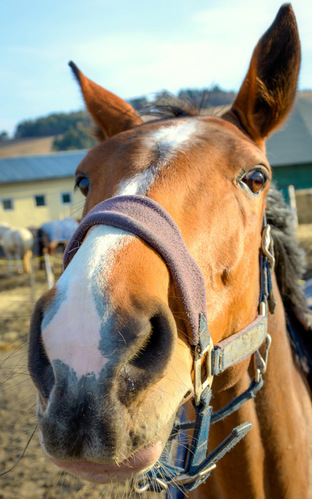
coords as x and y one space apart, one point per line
199 467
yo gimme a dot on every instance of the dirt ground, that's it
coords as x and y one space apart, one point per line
35 477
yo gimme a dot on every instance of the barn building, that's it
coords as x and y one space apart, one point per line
289 149
36 189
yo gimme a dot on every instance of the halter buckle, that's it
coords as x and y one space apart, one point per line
142 484
186 479
203 376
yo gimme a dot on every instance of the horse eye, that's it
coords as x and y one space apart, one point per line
255 180
83 184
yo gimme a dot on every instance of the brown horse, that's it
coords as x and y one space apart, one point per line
112 345
54 234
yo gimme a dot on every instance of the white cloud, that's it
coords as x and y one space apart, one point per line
217 49
141 64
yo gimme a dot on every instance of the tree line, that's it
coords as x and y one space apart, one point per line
74 130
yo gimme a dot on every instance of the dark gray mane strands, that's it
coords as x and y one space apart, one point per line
171 107
289 269
290 258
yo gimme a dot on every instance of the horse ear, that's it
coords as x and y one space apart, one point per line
268 91
111 113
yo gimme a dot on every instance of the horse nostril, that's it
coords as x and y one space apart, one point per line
156 347
43 376
39 366
150 361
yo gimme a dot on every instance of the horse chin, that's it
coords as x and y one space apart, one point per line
142 460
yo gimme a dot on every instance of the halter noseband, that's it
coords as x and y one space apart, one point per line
146 219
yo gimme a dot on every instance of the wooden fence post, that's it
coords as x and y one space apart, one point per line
50 275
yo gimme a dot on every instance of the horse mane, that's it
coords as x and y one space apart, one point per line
169 106
289 268
289 257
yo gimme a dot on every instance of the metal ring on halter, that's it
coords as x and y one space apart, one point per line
260 362
180 480
187 479
141 484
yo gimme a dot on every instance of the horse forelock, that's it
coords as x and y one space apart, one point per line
171 107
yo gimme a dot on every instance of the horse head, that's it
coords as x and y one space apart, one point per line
110 350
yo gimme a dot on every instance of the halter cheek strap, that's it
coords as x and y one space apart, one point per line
146 219
230 351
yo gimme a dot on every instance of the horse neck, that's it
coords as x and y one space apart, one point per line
265 463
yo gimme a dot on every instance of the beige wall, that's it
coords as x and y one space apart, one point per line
304 206
27 214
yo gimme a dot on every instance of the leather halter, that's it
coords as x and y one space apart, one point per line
146 219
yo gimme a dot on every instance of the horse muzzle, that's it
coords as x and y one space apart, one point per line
99 418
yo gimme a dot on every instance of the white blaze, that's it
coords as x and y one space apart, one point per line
73 326
72 333
173 138
164 142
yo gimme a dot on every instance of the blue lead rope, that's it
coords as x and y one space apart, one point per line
198 467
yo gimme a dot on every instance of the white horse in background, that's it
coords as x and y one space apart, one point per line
17 245
3 228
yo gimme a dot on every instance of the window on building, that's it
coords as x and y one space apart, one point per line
40 200
7 204
66 198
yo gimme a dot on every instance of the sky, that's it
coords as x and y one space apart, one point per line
130 47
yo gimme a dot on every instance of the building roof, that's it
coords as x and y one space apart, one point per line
43 167
292 143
